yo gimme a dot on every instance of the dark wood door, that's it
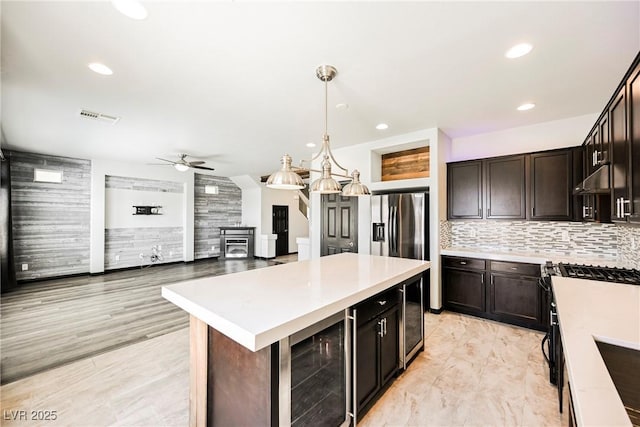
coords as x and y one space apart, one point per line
506 188
367 361
633 94
515 299
280 221
464 190
551 185
339 224
619 158
389 344
464 290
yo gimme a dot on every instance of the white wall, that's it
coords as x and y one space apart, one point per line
257 202
101 168
543 136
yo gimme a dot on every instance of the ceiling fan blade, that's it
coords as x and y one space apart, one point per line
168 161
158 164
203 167
197 163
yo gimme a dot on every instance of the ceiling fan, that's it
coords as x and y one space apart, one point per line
183 165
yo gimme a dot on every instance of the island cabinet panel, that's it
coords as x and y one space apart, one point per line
506 188
464 190
377 347
511 295
240 383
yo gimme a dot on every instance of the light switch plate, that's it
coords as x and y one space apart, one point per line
25 267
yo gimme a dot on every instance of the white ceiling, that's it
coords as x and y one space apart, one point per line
235 81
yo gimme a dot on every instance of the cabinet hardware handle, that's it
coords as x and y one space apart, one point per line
381 331
514 268
533 211
463 262
384 326
625 202
482 279
492 280
479 212
584 211
382 302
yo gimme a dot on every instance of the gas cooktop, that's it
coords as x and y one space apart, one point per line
605 274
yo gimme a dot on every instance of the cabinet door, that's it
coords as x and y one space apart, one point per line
367 362
515 299
619 158
464 290
464 190
506 188
633 95
389 344
551 185
604 154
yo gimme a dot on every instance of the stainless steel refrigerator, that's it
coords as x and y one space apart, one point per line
401 229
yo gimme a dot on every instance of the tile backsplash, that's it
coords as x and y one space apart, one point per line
591 240
629 245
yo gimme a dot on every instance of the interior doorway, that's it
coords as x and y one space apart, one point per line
280 221
339 224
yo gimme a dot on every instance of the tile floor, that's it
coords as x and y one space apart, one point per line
474 372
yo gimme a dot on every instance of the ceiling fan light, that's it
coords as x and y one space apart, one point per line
181 167
355 187
285 178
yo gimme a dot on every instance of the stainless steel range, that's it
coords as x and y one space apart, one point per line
604 274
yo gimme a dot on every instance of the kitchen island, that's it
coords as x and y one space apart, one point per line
592 312
243 326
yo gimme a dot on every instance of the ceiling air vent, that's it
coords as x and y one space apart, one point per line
99 116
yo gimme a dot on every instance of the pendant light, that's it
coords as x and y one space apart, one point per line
287 179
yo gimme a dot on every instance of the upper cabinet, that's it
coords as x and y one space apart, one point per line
620 157
633 112
464 190
528 186
506 187
551 185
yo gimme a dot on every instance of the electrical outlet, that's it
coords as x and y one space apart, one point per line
141 255
117 257
170 254
634 243
213 248
473 233
159 247
565 235
25 267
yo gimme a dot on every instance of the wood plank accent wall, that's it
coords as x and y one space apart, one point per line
50 221
406 164
129 242
212 211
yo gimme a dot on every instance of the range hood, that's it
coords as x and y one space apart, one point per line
596 183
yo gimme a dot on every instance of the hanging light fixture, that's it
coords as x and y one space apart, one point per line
287 178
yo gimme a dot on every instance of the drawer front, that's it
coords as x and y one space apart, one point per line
532 270
466 263
377 304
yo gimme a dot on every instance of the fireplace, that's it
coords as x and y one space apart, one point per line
236 242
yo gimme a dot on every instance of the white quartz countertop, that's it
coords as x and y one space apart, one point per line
259 307
532 258
591 310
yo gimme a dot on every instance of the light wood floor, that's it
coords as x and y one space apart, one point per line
473 373
55 322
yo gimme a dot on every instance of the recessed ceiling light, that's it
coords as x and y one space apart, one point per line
382 126
311 144
342 106
130 8
518 50
99 68
525 107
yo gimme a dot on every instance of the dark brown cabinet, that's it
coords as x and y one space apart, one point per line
620 157
633 101
464 194
511 295
551 185
465 290
506 187
536 186
377 346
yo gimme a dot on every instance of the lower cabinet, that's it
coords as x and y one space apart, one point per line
377 347
510 295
